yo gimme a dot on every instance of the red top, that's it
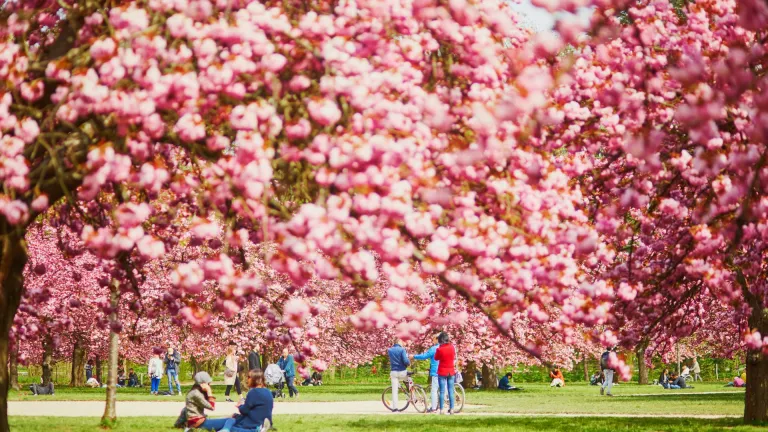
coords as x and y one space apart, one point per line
446 355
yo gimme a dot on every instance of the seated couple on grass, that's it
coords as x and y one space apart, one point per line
672 380
255 410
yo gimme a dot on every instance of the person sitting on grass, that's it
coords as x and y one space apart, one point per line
664 378
504 382
677 381
133 379
200 398
737 382
121 377
256 410
317 378
557 378
597 378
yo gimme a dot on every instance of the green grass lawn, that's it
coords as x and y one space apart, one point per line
535 398
407 423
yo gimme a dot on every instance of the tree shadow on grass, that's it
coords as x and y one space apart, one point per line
714 397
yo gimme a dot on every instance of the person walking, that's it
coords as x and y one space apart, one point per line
256 409
155 371
289 369
446 370
230 372
398 364
254 359
200 398
607 372
696 370
433 365
172 361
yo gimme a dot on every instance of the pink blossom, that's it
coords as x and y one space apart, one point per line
274 62
324 111
40 203
298 130
295 312
299 83
27 130
32 91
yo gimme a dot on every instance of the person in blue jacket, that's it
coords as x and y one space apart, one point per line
289 369
256 409
430 355
398 368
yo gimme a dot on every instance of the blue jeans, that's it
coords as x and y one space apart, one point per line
434 388
155 385
292 390
447 381
219 424
173 376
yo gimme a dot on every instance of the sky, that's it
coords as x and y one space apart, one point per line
540 19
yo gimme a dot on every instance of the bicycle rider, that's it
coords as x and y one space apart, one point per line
398 363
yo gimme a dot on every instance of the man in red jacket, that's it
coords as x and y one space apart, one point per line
446 370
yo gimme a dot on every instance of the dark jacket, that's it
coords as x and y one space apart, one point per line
504 383
287 365
663 378
172 362
257 407
254 360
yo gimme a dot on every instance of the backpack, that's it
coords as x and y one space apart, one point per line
604 360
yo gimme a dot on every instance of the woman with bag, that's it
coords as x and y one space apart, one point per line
446 371
155 370
230 372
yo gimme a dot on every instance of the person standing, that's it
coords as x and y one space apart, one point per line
289 369
155 370
230 372
696 370
433 365
254 359
89 370
607 373
172 361
446 370
398 363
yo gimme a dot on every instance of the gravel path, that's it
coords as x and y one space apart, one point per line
172 409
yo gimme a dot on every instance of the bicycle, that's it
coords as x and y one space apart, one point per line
459 397
414 394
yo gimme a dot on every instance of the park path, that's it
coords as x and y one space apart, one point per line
172 409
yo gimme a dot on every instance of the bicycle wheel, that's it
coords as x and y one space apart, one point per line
419 399
386 399
460 396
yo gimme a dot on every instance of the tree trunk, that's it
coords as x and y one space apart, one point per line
47 359
642 367
77 378
489 377
470 374
756 398
98 367
14 368
12 262
110 412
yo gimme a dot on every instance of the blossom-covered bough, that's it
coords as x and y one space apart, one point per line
665 117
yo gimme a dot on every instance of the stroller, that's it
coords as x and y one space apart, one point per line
274 376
